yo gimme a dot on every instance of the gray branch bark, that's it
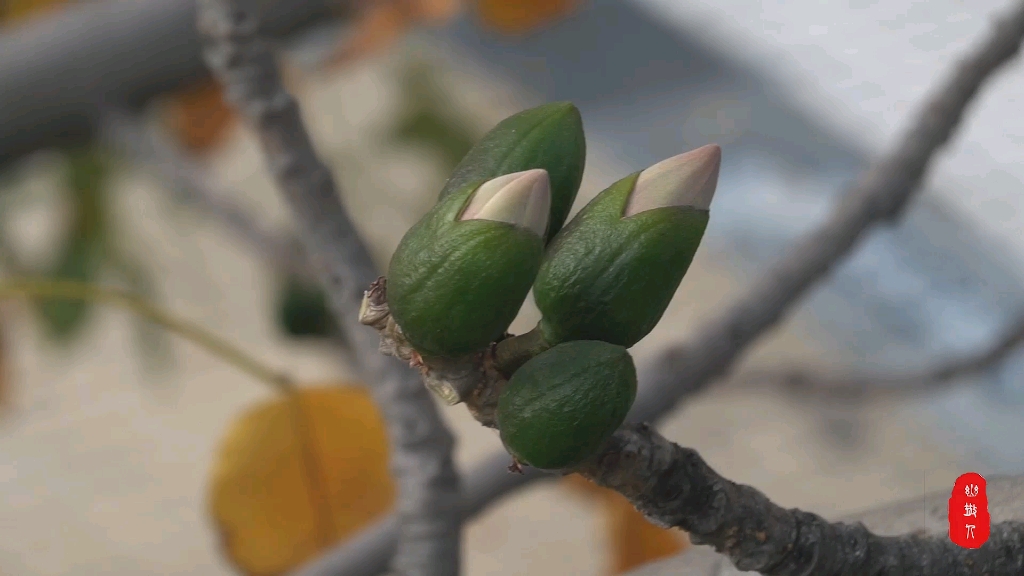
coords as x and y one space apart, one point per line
674 487
121 52
807 382
926 513
429 502
878 196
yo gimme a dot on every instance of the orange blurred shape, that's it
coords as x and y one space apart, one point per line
198 116
297 474
433 11
521 16
632 540
382 23
378 27
14 10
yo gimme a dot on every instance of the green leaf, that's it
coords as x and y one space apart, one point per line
426 118
81 260
303 310
83 253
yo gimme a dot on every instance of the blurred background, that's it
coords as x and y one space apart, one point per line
124 450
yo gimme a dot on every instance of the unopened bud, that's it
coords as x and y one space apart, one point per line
611 272
686 180
460 274
550 137
522 199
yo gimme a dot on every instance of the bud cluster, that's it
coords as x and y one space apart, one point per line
602 282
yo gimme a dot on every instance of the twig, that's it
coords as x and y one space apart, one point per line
877 196
804 381
194 185
429 504
71 290
673 486
681 372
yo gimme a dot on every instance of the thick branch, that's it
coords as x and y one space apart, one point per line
429 500
877 196
673 486
55 70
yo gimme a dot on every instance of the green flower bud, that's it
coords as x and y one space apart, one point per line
611 273
549 137
562 405
460 275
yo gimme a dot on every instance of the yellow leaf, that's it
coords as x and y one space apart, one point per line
521 16
295 475
633 540
199 117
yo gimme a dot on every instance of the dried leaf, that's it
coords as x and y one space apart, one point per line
199 117
295 475
15 10
381 24
433 11
521 16
633 540
378 27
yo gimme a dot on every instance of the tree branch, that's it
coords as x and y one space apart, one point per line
878 196
673 486
367 553
72 290
192 184
807 382
429 499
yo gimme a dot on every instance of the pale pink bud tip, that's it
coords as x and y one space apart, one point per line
522 199
686 180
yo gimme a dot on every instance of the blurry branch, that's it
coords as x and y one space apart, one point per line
806 381
369 552
680 373
12 262
70 290
429 501
54 70
194 185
